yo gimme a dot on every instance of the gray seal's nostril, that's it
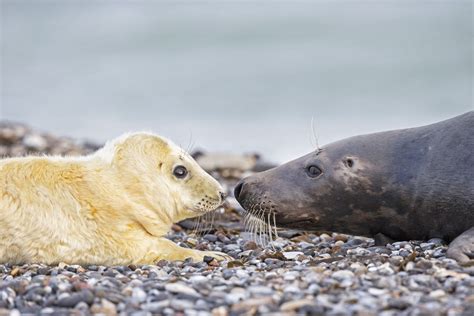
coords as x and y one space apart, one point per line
238 189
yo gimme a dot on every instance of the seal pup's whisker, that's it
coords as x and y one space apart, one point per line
196 225
191 143
203 219
204 224
213 217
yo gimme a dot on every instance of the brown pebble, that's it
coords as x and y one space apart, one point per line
219 311
79 285
191 241
300 238
335 249
340 237
234 264
250 245
81 270
202 246
424 264
16 271
177 228
106 308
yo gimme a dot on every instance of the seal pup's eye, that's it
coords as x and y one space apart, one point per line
313 171
180 172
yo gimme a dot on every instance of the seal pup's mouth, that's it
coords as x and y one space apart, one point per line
208 204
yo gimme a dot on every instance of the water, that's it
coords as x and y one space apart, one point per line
232 75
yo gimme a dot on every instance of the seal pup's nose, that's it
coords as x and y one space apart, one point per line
222 195
238 190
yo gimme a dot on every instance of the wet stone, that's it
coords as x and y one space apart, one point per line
75 298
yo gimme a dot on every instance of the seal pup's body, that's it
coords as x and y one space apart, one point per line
415 183
110 208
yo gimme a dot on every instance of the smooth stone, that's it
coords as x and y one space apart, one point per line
139 294
156 307
292 255
305 245
398 303
180 288
427 246
181 305
198 280
436 241
227 274
72 300
236 295
342 275
211 238
260 290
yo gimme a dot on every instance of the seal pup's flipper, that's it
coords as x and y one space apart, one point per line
461 249
165 249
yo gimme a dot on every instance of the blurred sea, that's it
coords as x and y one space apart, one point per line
235 76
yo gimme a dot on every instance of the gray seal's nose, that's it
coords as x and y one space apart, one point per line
238 190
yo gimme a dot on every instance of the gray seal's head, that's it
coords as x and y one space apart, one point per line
344 187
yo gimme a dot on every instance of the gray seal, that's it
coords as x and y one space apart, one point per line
409 184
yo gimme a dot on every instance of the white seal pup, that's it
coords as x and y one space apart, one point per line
113 207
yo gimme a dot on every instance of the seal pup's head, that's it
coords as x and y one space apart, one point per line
161 176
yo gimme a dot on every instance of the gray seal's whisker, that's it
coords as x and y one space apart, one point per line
275 226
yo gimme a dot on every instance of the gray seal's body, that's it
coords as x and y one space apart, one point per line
409 184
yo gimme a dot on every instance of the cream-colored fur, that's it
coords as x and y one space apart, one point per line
110 208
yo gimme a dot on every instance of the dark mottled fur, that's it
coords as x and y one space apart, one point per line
415 183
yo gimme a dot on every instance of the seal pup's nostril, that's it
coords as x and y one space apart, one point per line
238 189
222 195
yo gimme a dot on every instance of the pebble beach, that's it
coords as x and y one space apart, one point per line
294 273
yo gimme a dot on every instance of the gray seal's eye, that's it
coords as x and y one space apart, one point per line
349 162
313 171
180 172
